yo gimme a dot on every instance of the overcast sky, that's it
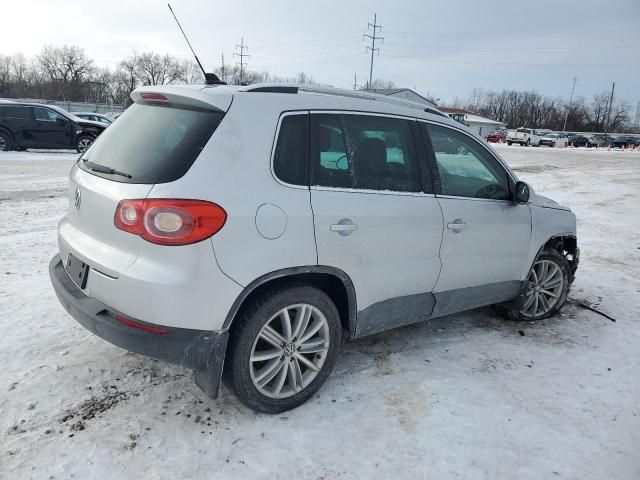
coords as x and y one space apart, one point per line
445 48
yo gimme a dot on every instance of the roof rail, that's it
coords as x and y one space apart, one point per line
295 89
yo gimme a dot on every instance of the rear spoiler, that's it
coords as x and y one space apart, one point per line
187 96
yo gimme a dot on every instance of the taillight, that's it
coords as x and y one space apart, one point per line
153 97
170 221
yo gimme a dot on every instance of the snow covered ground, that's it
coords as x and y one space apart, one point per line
466 396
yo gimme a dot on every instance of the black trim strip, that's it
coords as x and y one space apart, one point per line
292 272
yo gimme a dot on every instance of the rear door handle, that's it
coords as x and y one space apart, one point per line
457 225
344 227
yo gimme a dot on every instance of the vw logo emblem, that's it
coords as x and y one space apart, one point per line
77 198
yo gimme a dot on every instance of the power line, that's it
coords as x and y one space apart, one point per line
241 55
375 29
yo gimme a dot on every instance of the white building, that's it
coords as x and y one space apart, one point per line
405 94
480 125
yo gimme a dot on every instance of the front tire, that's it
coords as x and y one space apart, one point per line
83 142
283 348
547 288
509 143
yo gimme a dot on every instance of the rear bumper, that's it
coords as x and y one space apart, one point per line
200 350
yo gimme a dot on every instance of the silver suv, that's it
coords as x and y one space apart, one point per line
246 232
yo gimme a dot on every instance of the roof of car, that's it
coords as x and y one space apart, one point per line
291 97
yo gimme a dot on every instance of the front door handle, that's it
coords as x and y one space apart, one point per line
344 227
457 225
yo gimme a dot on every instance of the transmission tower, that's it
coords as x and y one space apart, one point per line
374 28
242 56
636 122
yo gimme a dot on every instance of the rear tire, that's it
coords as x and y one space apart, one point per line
547 288
5 142
528 142
275 360
509 143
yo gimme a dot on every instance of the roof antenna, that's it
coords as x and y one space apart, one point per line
209 78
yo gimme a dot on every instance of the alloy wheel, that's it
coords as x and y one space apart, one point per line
84 143
544 288
289 351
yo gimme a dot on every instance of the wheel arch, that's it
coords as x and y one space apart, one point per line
333 281
8 132
564 243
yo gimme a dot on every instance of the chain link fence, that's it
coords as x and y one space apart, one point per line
75 106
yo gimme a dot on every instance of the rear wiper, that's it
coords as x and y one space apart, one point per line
102 169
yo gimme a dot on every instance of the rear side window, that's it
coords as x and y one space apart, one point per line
364 152
151 144
15 112
290 160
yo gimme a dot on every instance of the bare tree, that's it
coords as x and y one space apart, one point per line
154 69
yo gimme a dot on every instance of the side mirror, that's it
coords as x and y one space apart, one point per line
523 191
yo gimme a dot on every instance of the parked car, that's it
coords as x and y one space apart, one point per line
577 140
95 117
600 140
498 136
30 125
162 252
623 141
554 140
524 136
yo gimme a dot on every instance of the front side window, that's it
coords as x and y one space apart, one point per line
364 152
290 159
466 168
46 115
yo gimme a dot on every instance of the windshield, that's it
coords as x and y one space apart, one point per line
522 130
151 144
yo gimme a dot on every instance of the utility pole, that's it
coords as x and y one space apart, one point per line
222 74
374 37
241 55
566 116
613 87
637 119
355 82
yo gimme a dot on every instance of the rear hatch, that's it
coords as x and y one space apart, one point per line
155 141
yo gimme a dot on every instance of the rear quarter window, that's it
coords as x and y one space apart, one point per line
152 144
291 157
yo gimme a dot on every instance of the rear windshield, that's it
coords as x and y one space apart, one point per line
151 144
